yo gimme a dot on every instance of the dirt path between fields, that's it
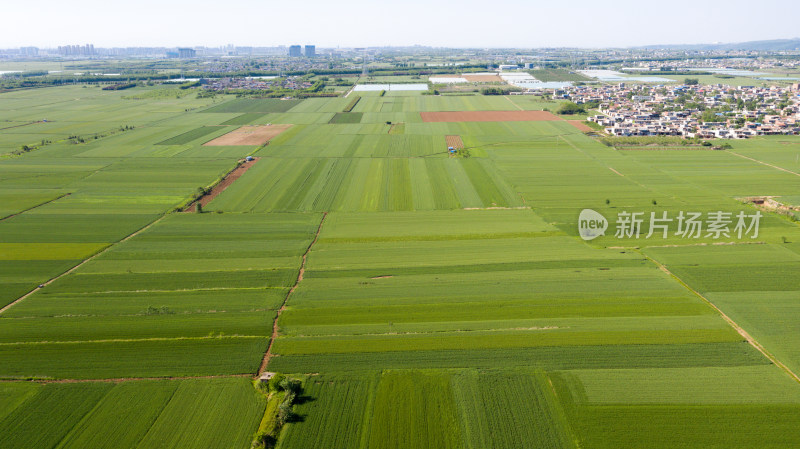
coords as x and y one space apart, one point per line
749 338
218 188
352 88
34 207
130 236
603 163
120 379
512 102
763 163
21 125
268 355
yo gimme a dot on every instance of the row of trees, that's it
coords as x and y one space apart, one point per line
283 389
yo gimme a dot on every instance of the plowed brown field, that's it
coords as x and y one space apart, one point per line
580 125
483 78
455 142
249 135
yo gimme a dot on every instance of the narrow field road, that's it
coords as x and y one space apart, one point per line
121 379
763 163
749 338
223 184
51 280
34 207
232 174
268 355
512 102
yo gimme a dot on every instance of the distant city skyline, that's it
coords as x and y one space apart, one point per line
355 23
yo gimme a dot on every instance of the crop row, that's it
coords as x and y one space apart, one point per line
215 413
546 358
364 184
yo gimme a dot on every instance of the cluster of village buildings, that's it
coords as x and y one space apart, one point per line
257 83
701 111
700 64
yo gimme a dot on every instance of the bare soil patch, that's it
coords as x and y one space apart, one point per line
769 203
454 142
482 78
488 116
249 135
222 185
580 125
385 276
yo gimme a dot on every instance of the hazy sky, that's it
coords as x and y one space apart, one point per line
465 23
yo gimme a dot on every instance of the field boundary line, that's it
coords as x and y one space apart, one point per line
749 338
20 126
71 270
120 379
242 166
203 289
127 340
352 88
268 355
763 163
512 102
604 164
34 207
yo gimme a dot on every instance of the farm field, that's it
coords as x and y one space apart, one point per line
487 116
252 259
248 136
138 414
422 299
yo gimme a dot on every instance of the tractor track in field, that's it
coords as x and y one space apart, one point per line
268 355
748 338
71 270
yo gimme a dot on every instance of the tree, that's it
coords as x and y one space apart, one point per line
275 381
691 81
493 91
264 440
569 108
290 385
708 116
285 413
